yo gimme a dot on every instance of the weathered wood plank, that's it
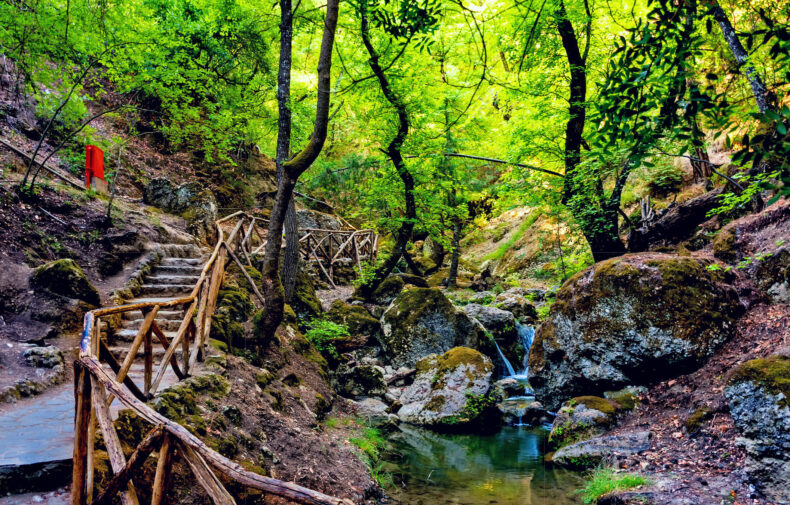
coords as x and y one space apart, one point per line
206 478
163 467
135 461
111 442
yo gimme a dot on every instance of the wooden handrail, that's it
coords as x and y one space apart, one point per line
95 388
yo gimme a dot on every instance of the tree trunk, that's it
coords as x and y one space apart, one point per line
452 276
598 222
394 153
291 170
765 99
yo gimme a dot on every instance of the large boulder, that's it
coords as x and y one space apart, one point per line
65 277
449 389
356 318
502 326
361 381
758 393
313 219
602 450
630 320
196 205
582 418
422 321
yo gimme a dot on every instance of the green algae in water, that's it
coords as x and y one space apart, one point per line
504 468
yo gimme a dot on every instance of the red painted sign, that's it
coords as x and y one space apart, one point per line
94 164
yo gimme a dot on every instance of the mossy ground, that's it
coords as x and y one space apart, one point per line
772 373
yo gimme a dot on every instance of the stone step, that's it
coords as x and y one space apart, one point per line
163 314
166 289
128 334
120 353
177 269
172 279
163 324
181 261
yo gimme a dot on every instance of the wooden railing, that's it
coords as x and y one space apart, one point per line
327 247
96 388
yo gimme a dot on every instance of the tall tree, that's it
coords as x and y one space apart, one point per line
273 290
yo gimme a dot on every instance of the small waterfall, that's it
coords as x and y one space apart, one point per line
510 371
526 334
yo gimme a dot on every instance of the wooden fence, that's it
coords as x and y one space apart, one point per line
96 388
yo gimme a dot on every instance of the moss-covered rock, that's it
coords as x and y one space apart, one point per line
305 303
773 276
758 392
449 389
630 321
697 418
724 245
361 381
65 277
423 321
355 317
388 290
584 417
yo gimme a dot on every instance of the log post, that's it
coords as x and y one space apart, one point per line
163 466
148 362
166 344
82 414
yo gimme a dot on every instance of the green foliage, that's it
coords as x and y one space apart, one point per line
605 480
371 442
322 333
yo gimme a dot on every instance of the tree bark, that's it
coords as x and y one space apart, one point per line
393 151
764 98
452 275
273 289
291 256
600 229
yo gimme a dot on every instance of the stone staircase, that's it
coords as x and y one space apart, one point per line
36 434
172 275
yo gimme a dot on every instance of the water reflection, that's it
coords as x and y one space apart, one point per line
503 468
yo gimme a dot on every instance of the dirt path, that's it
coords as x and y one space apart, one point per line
707 462
328 296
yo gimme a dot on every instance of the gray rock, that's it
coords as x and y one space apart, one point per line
598 450
757 394
374 411
308 218
422 321
197 205
509 387
525 411
630 321
514 301
44 357
362 380
443 386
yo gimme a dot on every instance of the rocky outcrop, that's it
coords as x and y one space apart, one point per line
630 321
194 203
514 300
65 277
361 381
449 389
422 321
582 418
758 393
773 276
502 326
308 218
602 450
305 302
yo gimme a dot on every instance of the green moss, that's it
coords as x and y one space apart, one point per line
695 420
65 277
436 403
322 406
355 317
625 399
724 245
235 303
772 374
264 378
389 288
228 446
608 407
445 364
303 347
305 303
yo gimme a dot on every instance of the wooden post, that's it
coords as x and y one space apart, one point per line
136 460
201 322
148 362
162 471
166 345
82 415
185 345
211 484
111 442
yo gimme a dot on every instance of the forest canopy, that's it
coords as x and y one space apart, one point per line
573 107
